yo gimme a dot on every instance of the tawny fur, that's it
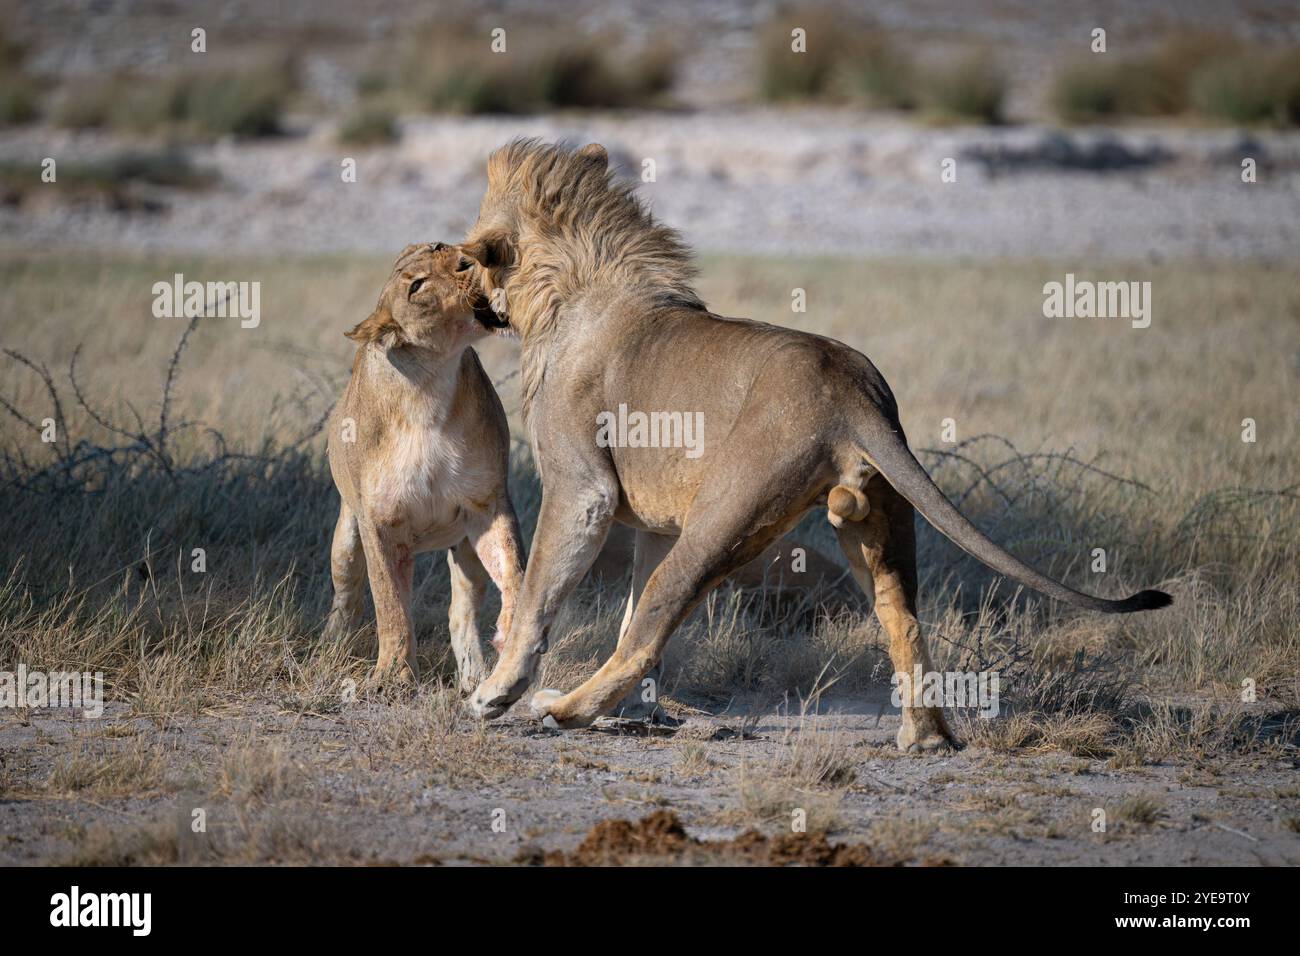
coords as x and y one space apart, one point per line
600 296
418 447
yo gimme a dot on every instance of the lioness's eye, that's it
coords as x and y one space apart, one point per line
415 286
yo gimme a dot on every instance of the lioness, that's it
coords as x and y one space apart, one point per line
418 448
601 297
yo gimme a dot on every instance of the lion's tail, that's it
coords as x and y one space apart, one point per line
888 452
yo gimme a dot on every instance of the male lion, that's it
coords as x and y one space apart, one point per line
601 297
418 448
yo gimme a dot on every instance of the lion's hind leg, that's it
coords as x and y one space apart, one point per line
881 551
649 550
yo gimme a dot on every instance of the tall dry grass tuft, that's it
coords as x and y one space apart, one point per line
436 734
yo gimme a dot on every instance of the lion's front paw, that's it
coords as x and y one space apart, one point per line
541 705
932 744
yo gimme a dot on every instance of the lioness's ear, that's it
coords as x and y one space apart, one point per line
491 250
596 153
378 324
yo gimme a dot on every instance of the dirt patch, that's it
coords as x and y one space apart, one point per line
660 838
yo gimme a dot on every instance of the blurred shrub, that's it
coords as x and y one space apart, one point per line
163 167
452 69
783 73
19 95
1250 89
1085 90
368 125
115 178
81 105
1210 75
970 88
19 99
849 61
1155 84
247 102
883 75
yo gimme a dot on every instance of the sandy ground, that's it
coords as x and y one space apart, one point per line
524 792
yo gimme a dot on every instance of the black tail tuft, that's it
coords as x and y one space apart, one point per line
1143 601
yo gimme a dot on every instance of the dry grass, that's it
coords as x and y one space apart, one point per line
1141 810
900 839
258 772
96 769
1080 735
777 804
436 734
1141 735
693 758
293 836
814 753
1186 505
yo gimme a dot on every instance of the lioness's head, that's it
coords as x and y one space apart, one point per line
432 299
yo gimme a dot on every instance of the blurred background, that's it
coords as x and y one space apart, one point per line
1060 150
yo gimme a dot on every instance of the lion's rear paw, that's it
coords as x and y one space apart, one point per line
925 731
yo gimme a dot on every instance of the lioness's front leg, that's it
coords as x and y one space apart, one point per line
391 564
348 573
571 528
